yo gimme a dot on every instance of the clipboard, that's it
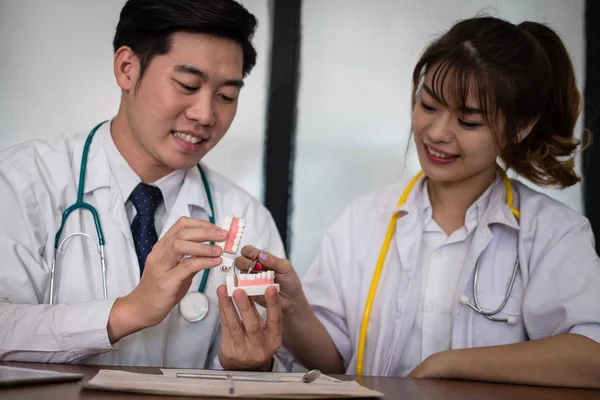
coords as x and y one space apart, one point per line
17 376
171 385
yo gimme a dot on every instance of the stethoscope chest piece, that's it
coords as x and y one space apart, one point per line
194 306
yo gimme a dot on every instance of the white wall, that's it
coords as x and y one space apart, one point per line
354 101
56 76
357 58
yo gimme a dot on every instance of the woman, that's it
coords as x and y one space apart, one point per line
463 239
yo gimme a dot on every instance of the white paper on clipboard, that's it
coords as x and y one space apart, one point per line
173 386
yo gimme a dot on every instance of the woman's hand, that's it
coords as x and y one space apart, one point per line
290 287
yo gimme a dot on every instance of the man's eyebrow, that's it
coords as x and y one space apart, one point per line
188 69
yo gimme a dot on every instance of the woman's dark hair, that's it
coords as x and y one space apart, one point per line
520 74
146 26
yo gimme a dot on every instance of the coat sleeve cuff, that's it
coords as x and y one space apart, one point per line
89 332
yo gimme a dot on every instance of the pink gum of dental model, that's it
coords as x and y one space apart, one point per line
235 226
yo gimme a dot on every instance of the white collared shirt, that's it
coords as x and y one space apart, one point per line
555 290
127 180
441 258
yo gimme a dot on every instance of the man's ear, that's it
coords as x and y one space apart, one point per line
524 132
126 65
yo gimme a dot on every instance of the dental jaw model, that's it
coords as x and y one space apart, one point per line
254 284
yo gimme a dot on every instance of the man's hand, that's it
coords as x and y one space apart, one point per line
251 342
167 276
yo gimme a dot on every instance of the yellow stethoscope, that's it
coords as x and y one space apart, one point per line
194 305
463 299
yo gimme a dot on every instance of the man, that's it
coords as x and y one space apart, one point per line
180 65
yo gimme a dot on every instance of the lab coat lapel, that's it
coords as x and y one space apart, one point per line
118 212
180 209
118 239
407 239
481 238
495 212
101 186
192 194
100 175
409 233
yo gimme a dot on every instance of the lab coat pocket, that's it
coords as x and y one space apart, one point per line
492 333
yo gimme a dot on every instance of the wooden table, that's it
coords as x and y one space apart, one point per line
394 388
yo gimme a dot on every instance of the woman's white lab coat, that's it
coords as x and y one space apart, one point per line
557 289
38 181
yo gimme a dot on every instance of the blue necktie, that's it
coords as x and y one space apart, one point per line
145 199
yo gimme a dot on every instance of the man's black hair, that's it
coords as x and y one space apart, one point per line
146 26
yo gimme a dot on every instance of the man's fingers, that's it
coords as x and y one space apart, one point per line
214 232
226 337
250 318
274 318
263 323
180 248
193 265
229 317
203 234
187 241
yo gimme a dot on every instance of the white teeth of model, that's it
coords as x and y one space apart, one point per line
234 249
241 223
242 277
236 242
251 277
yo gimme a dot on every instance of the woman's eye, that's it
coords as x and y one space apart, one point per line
468 125
427 107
